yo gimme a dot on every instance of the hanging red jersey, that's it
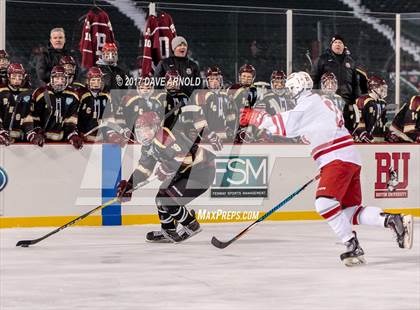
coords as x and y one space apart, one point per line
97 31
160 30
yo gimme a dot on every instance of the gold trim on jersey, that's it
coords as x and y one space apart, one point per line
130 101
85 95
71 120
42 95
66 91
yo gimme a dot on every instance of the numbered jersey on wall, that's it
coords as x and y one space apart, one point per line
97 30
160 30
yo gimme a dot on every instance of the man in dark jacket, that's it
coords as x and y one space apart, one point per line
336 59
187 68
51 57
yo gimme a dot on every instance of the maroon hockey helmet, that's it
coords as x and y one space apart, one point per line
146 127
378 86
247 74
329 83
4 60
172 80
16 75
278 81
94 79
214 78
69 64
58 78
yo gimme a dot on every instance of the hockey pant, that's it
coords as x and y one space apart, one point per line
183 188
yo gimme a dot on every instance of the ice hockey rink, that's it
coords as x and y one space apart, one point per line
277 265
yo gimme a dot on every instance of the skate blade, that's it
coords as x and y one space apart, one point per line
408 236
354 261
159 241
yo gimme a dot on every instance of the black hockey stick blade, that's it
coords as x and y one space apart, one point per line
220 244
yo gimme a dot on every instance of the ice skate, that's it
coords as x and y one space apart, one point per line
190 230
402 226
163 236
354 254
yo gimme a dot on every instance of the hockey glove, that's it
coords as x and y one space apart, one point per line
363 136
124 190
215 141
116 138
36 136
4 138
251 117
76 140
163 173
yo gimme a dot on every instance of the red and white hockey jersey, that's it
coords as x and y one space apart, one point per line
160 30
97 31
319 122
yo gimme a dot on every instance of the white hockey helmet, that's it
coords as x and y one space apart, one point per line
298 82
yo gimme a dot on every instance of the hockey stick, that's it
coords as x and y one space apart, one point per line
221 245
26 243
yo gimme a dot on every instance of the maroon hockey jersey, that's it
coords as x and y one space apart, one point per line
160 30
97 31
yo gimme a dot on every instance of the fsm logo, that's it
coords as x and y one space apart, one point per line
240 176
391 175
3 179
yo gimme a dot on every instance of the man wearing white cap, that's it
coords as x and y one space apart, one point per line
187 68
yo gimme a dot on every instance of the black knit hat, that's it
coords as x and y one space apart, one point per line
337 37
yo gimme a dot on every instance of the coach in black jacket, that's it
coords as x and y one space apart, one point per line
337 59
187 68
51 57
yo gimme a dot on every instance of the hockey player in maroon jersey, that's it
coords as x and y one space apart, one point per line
186 170
95 107
70 66
371 112
15 105
405 126
160 30
339 196
97 30
219 111
54 114
4 63
244 95
114 76
183 116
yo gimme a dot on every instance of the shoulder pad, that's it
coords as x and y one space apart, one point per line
129 100
164 137
85 95
363 100
71 92
4 89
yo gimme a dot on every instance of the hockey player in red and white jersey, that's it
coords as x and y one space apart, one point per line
338 197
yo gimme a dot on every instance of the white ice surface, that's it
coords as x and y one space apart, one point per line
277 265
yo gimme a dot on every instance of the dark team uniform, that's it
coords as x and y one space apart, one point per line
133 106
94 108
55 113
14 110
114 77
243 97
193 172
370 119
220 113
181 115
3 77
406 124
